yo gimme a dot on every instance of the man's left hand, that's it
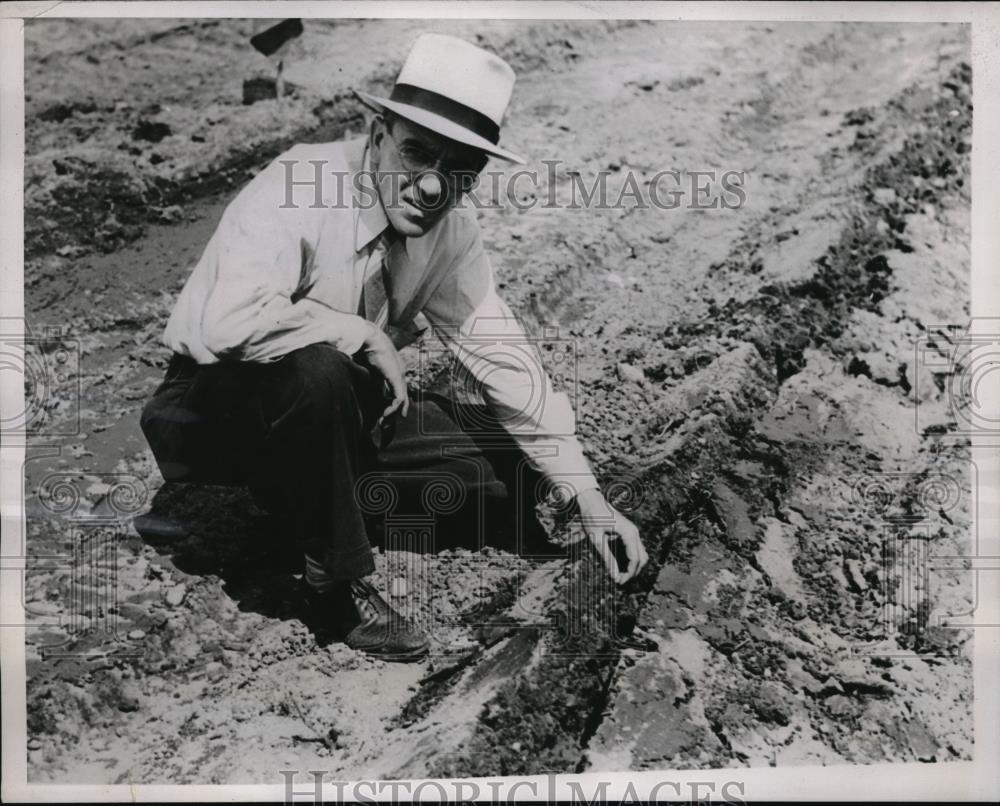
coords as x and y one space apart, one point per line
603 524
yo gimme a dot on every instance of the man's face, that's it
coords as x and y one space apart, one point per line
420 174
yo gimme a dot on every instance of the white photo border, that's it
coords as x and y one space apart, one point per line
955 781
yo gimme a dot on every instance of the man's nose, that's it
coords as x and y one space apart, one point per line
430 187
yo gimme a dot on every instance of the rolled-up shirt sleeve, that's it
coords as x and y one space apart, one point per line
244 296
505 368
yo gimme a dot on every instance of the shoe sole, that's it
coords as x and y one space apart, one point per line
395 657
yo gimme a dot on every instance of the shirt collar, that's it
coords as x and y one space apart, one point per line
371 220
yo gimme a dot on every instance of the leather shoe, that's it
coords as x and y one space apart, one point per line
369 624
383 632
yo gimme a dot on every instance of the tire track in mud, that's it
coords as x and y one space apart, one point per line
732 474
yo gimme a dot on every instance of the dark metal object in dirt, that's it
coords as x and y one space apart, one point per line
264 88
269 41
259 88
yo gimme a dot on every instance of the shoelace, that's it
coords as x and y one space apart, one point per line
370 603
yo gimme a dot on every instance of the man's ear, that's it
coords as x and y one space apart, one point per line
376 135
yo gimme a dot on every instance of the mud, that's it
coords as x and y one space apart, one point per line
746 387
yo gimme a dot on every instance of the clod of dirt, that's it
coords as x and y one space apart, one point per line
176 595
150 131
632 374
128 698
171 214
770 703
57 113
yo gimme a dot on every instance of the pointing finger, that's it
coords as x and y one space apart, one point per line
603 547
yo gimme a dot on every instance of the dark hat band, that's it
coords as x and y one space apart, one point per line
459 113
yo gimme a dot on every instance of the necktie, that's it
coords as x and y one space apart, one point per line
374 294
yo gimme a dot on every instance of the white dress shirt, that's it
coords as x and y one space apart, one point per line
286 267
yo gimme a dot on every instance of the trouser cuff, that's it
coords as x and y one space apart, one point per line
338 567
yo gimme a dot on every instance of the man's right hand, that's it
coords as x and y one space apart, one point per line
382 356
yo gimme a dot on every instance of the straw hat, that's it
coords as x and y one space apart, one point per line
454 88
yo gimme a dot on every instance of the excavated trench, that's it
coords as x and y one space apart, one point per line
716 474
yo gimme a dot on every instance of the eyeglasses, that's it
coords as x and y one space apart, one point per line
417 160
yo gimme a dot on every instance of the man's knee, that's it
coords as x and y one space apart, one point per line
325 381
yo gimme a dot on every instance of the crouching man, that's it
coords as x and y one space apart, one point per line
285 374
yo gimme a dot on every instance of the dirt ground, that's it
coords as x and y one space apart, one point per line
745 381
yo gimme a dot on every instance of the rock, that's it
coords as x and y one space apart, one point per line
150 131
98 489
631 374
777 551
136 635
215 671
800 678
840 706
171 214
837 574
856 676
855 576
128 698
176 595
771 704
614 279
675 367
71 250
920 740
884 195
35 744
734 512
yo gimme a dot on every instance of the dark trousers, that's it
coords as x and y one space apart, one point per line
301 433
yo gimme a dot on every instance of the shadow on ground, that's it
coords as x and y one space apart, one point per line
221 531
